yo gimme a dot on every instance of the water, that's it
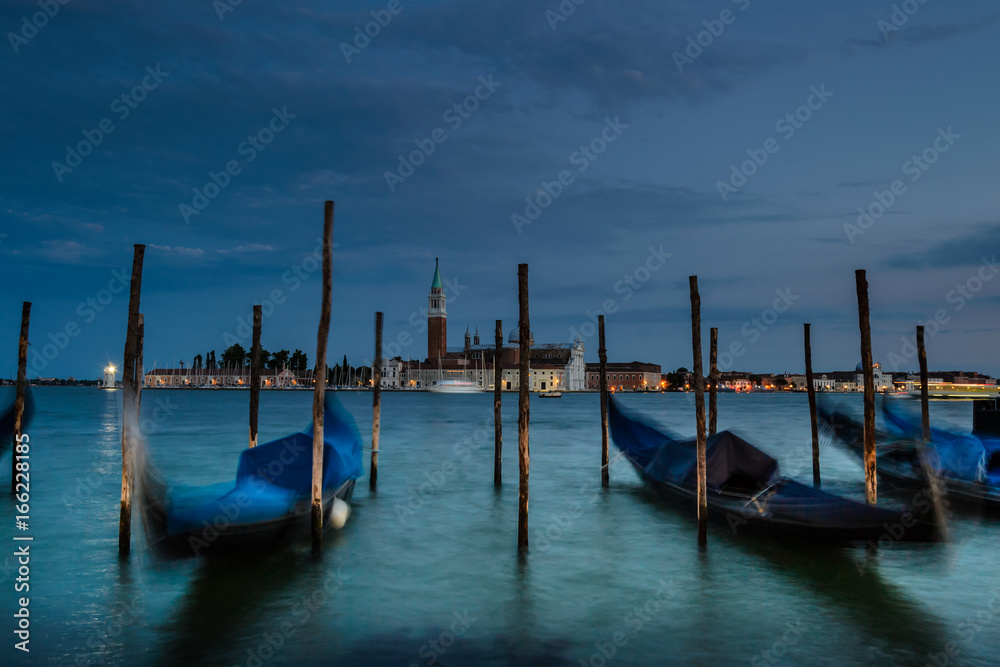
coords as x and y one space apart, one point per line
426 570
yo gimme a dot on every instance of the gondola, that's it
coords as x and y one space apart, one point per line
748 493
967 464
270 502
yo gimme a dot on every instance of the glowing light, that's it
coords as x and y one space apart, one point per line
110 368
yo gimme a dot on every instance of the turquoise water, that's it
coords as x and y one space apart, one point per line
426 570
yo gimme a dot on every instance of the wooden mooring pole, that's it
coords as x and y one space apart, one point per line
602 355
524 334
255 375
497 415
933 482
130 401
699 406
713 380
22 388
871 484
813 425
376 401
319 382
925 415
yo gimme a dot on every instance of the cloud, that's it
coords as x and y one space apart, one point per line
178 250
918 35
967 250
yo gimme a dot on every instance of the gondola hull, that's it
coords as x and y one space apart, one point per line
270 503
898 462
747 494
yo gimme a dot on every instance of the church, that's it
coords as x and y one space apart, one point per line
554 366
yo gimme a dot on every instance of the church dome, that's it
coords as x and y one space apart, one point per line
515 337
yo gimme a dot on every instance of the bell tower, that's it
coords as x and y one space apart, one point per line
437 319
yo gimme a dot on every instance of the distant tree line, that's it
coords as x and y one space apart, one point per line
235 356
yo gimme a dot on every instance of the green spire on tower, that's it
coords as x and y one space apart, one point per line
436 284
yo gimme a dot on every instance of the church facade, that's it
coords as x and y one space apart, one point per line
553 366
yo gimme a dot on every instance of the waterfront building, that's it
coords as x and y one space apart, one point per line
628 376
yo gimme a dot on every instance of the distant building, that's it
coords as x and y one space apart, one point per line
553 365
228 377
629 376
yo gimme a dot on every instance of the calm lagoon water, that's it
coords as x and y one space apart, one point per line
426 571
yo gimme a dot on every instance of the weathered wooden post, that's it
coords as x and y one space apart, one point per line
130 401
713 379
255 375
812 405
925 415
602 378
497 415
699 406
871 484
934 483
376 401
319 380
524 333
22 387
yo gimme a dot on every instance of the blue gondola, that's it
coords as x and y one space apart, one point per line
747 491
270 501
967 463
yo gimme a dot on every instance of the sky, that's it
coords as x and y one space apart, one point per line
616 148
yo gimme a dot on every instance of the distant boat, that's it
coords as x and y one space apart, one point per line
746 490
550 394
949 390
270 502
454 387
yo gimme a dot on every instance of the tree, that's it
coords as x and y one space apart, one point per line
210 361
234 356
755 379
196 365
780 383
678 378
299 361
264 357
278 360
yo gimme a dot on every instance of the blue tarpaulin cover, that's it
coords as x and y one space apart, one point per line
273 477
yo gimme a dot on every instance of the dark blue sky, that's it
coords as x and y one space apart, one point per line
882 90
